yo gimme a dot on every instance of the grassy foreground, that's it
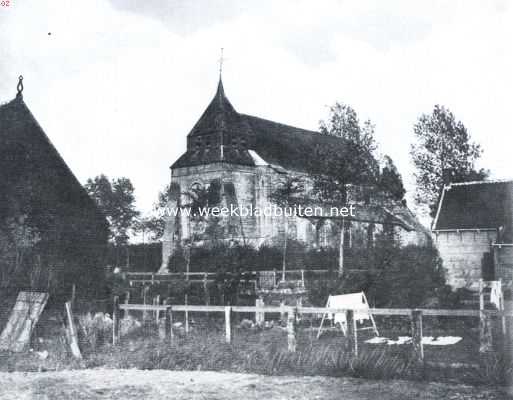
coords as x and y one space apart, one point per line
188 385
251 351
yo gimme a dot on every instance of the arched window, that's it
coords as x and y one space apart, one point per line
324 234
214 192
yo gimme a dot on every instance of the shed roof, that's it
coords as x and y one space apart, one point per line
475 205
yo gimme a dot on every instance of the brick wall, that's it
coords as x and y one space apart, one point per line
462 254
505 263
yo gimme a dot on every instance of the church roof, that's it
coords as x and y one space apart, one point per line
287 146
277 144
220 116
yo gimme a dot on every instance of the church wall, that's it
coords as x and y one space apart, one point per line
252 186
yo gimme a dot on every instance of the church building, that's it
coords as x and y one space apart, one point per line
240 159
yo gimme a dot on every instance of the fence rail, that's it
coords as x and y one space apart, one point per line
415 316
152 278
169 274
316 310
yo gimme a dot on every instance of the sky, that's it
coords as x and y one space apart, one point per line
118 84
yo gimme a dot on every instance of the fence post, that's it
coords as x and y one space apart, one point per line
259 315
169 323
145 295
205 289
186 314
127 301
291 329
115 321
156 301
228 324
416 336
485 332
161 327
481 295
502 308
508 349
282 310
351 335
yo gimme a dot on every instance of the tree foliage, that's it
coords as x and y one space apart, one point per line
390 181
355 163
407 277
289 192
116 199
154 225
443 153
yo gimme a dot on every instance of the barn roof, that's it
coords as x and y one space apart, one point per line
475 205
275 143
33 172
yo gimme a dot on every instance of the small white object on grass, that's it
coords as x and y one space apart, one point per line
426 340
377 340
442 340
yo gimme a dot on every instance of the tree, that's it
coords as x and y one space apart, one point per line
390 181
287 194
336 169
154 225
116 200
443 153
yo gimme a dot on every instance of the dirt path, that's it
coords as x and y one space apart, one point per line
159 384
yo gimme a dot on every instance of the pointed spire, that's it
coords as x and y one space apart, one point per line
20 87
220 91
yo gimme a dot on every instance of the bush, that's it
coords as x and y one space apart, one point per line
408 277
390 276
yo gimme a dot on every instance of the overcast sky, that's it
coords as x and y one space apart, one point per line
118 84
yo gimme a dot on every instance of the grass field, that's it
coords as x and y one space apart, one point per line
262 351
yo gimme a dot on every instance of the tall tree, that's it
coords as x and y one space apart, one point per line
356 164
116 200
335 170
443 153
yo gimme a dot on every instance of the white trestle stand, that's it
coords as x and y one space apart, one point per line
353 301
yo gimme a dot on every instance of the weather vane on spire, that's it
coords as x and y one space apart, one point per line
221 60
20 85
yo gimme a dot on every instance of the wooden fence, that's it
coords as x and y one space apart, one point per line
271 276
351 343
